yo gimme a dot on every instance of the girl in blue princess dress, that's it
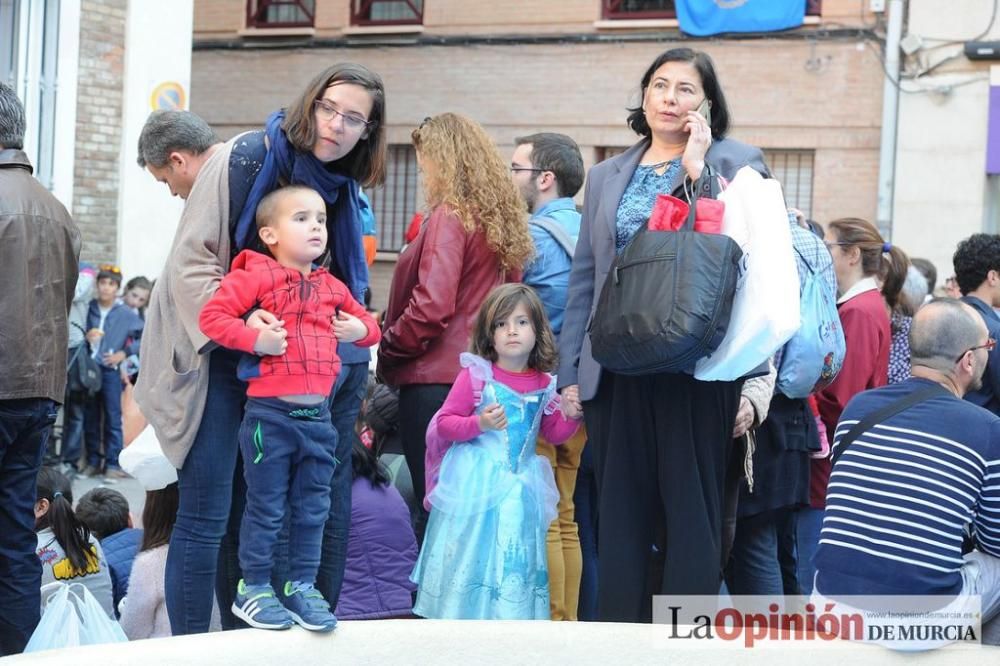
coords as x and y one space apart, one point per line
491 497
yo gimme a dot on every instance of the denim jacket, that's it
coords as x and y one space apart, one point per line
122 330
548 273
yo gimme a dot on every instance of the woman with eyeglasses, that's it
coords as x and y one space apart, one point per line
661 442
870 276
332 139
474 238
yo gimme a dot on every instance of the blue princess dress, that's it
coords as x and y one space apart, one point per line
484 554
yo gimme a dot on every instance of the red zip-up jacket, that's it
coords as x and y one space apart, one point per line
307 305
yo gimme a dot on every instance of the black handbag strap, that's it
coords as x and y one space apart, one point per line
705 182
885 413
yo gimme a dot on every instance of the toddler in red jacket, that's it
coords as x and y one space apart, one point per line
286 439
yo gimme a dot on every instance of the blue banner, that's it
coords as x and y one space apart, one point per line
711 17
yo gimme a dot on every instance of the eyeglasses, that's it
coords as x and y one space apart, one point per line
515 169
830 246
990 345
327 112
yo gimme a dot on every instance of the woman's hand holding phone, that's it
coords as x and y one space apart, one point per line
699 131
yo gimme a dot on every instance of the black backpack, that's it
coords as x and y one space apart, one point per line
83 375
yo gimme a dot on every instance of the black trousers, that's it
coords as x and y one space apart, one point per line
417 404
663 442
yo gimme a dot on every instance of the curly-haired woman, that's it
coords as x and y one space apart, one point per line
474 238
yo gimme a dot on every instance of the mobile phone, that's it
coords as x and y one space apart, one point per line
705 109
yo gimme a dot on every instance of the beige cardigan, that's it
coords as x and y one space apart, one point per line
173 384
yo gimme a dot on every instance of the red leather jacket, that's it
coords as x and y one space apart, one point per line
439 283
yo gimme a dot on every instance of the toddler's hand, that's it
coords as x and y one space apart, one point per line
569 402
348 328
492 418
271 342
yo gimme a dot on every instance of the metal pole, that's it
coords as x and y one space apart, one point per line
890 117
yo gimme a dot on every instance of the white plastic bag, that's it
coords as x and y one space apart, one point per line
765 311
74 617
144 460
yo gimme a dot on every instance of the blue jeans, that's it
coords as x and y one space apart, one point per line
585 502
205 485
810 522
24 430
345 404
288 461
74 413
109 404
755 565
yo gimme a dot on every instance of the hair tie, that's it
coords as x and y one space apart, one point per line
886 247
56 494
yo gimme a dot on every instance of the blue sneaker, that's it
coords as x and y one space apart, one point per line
258 606
308 607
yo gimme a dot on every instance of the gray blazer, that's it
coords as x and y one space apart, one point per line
595 251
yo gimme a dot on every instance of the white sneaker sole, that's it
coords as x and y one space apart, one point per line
311 627
238 612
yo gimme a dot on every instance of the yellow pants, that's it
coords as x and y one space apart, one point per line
563 540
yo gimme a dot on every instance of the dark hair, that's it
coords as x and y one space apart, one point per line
166 132
709 83
265 209
139 282
974 258
941 331
498 305
158 516
928 270
365 465
104 511
855 232
72 534
110 275
366 161
11 119
559 154
816 228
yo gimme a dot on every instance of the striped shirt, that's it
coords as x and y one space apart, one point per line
901 496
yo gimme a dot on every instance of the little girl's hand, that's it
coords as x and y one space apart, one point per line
492 418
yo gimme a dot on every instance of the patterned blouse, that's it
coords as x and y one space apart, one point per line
640 197
899 352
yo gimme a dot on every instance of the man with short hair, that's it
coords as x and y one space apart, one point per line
977 271
923 465
38 269
173 146
548 171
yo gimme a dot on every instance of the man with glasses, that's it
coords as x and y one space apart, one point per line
548 171
915 467
977 272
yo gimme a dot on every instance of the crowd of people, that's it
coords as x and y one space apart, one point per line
479 471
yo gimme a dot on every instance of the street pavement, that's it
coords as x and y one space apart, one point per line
130 488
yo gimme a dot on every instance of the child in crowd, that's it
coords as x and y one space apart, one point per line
113 331
69 553
105 512
484 555
144 610
381 546
76 399
287 440
136 294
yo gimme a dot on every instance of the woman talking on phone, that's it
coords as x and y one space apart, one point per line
661 441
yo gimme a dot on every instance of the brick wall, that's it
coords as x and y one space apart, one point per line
98 130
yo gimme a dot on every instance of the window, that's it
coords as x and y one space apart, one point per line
9 21
387 12
639 9
281 13
656 9
602 153
396 200
794 170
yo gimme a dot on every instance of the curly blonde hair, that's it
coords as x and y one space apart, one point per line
470 178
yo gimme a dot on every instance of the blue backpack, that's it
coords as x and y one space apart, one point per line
815 354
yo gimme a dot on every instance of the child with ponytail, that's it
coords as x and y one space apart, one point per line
69 553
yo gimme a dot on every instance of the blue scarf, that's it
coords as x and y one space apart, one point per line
339 191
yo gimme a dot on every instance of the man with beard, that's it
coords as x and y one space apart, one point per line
913 465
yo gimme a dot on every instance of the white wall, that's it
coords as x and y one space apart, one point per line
157 50
940 186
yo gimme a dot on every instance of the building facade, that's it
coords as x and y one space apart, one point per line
810 97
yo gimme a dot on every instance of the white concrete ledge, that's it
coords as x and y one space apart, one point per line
391 642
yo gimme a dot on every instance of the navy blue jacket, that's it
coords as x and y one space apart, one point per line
119 550
122 329
989 395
